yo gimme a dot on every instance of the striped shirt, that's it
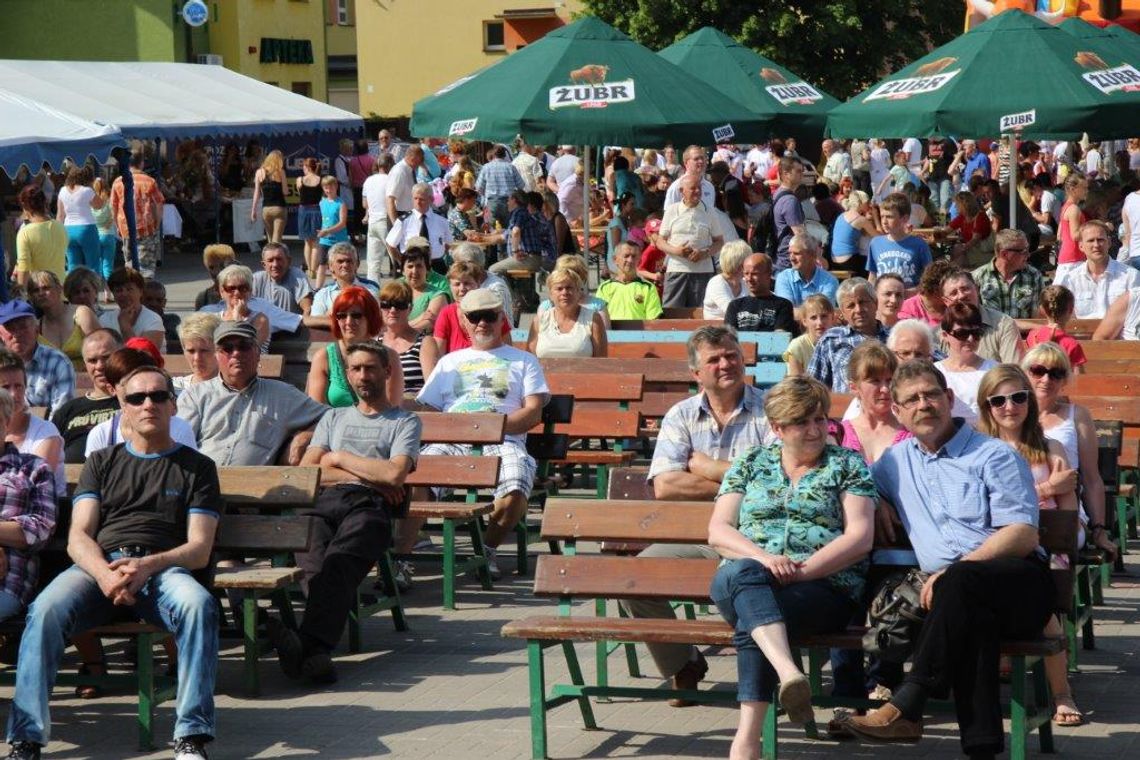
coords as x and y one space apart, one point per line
498 179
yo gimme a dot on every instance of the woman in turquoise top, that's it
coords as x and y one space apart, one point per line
794 523
105 223
355 319
334 226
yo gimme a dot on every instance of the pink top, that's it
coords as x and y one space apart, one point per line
914 308
851 439
1070 345
1070 253
450 333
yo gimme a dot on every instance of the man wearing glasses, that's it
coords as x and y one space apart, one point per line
969 508
242 419
1008 283
491 376
696 162
143 519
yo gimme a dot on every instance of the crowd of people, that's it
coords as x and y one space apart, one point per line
952 412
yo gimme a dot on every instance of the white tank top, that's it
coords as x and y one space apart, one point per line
77 205
1066 434
554 344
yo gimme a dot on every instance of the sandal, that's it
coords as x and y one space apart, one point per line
1065 712
91 691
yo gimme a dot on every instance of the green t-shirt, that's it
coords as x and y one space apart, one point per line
630 300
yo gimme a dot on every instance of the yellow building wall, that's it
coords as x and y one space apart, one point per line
237 27
340 40
396 69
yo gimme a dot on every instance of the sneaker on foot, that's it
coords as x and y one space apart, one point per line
288 645
189 748
24 751
424 544
318 668
405 570
492 556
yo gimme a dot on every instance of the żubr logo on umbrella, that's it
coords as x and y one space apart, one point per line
785 92
1108 80
462 127
589 89
930 77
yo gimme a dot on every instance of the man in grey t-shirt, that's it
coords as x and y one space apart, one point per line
281 282
241 419
365 452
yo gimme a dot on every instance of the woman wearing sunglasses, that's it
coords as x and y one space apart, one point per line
418 352
452 331
355 319
1009 413
963 367
235 283
1072 426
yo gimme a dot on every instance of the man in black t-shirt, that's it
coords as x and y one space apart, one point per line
77 417
143 517
761 311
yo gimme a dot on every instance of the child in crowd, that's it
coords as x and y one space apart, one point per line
1057 306
897 177
898 251
817 316
651 267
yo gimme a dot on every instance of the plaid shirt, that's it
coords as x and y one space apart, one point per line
27 497
832 353
1018 298
498 179
535 234
51 379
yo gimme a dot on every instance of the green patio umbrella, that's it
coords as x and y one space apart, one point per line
586 84
762 86
1011 73
1130 38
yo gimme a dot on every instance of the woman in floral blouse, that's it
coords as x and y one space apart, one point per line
794 523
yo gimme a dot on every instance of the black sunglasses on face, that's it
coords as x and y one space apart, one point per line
1040 370
965 333
397 305
489 316
158 397
999 400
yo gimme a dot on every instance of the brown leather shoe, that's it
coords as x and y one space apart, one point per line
886 724
688 677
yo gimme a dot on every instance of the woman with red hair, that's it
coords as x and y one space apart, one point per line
355 319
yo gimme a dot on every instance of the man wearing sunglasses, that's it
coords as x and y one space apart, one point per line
143 519
1008 283
242 419
969 508
490 376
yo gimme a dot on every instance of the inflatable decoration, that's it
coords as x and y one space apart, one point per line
1126 13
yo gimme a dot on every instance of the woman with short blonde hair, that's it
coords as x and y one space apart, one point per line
235 283
568 328
577 264
196 335
729 284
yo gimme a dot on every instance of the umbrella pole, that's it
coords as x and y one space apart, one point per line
1013 181
586 209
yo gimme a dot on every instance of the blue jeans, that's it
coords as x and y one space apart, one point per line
107 244
747 596
941 193
10 605
82 246
73 603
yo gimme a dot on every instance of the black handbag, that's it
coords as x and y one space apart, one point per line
896 616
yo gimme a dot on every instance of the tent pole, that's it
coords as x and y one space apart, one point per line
586 208
158 181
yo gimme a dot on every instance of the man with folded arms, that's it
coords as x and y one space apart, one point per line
968 505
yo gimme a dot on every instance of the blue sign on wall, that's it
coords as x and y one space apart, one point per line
195 12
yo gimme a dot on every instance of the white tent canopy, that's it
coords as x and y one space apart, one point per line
32 133
170 100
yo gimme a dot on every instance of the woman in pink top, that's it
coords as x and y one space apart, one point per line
1008 411
874 429
1076 190
927 304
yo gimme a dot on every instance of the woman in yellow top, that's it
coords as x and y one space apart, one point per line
63 325
41 242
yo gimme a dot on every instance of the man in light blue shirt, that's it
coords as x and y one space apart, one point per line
805 277
968 505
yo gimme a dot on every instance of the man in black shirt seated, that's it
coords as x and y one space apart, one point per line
77 417
760 311
143 517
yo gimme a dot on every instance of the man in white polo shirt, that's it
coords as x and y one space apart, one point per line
690 236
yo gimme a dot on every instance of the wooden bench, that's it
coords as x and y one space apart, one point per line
1125 409
1081 329
573 577
1095 367
270 365
612 425
1111 349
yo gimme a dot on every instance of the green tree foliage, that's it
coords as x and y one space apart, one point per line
840 45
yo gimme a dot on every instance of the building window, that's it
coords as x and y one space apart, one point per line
342 12
302 88
493 36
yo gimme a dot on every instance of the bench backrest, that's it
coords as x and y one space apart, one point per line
476 429
603 577
1112 367
455 472
595 386
657 350
265 534
1090 384
279 487
599 423
671 371
629 484
1111 349
1081 329
685 325
270 365
1123 408
678 522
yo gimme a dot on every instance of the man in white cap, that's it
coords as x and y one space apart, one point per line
490 376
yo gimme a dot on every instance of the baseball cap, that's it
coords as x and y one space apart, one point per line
235 330
147 346
481 299
15 310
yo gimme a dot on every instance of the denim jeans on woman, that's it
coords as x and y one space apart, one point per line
748 596
73 603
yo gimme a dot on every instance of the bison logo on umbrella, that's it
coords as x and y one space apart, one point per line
591 73
589 89
1108 80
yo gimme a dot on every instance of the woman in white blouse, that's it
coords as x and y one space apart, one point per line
729 284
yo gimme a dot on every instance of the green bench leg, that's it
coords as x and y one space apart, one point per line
630 650
536 669
387 568
601 650
1044 706
1018 728
145 644
522 558
602 479
576 677
252 646
354 634
475 529
768 741
448 564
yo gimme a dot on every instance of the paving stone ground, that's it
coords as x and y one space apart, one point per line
451 687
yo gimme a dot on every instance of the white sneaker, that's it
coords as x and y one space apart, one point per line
880 692
492 556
